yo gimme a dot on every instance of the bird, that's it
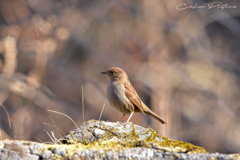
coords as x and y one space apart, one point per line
123 97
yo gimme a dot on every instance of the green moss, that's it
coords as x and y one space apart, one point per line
153 135
57 157
134 134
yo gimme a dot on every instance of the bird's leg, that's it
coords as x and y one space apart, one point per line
129 118
121 117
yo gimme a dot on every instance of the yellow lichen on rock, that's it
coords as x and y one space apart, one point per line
117 136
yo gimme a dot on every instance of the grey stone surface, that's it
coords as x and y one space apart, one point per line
147 154
62 152
7 154
131 153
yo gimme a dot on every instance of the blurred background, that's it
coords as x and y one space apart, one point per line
184 65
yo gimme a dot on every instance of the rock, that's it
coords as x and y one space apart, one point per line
62 152
116 135
109 140
8 154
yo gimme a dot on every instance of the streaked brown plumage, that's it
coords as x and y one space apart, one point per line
123 97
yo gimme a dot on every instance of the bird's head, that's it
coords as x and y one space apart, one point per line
116 74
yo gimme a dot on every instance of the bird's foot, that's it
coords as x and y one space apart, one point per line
126 123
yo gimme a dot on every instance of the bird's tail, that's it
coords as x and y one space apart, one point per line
151 113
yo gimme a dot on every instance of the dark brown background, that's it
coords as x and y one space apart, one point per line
183 64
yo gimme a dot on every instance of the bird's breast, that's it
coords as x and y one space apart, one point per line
117 98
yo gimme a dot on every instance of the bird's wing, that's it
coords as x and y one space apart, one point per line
132 95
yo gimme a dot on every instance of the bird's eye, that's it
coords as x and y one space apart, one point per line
111 72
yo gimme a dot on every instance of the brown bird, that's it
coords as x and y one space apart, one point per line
123 97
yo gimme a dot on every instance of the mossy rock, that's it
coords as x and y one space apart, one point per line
114 135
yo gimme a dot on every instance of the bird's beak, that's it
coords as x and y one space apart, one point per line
104 72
